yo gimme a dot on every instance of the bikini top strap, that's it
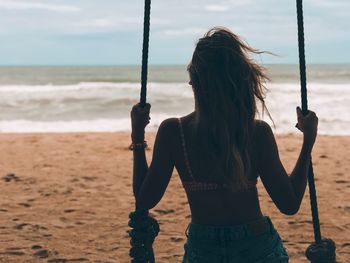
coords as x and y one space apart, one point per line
184 150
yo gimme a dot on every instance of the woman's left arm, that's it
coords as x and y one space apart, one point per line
150 183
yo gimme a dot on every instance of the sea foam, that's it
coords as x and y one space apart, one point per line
105 106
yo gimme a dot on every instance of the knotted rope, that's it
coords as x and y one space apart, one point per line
144 230
323 250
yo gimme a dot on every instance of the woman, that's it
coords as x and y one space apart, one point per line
219 150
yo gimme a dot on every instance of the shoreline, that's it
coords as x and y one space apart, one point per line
151 133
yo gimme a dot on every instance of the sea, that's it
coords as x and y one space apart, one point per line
99 98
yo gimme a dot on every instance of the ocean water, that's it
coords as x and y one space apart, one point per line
70 99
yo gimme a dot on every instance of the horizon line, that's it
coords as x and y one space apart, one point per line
150 65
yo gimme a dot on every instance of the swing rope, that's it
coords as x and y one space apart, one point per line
304 107
144 227
323 250
144 69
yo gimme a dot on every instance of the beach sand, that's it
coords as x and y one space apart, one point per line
66 198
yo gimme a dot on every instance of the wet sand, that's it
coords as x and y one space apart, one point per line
66 198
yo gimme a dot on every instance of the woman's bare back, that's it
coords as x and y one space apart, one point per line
214 207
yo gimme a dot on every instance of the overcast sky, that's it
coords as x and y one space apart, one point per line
95 32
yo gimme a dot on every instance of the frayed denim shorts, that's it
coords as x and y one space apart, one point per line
234 244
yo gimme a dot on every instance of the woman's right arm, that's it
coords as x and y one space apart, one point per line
286 191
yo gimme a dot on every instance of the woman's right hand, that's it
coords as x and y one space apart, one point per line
307 125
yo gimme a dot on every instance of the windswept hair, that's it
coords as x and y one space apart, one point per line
226 82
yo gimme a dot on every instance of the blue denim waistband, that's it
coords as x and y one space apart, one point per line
256 241
227 233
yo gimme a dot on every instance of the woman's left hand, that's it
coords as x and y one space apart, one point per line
140 117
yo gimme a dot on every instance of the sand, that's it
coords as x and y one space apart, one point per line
66 198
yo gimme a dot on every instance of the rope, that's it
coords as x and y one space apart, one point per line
144 230
144 227
323 250
302 67
144 69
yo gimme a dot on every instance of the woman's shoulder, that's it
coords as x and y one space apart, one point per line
174 121
262 132
186 118
261 127
168 124
263 136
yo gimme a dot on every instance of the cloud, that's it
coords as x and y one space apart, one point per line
330 4
216 8
190 31
21 5
98 23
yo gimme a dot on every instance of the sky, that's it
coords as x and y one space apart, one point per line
109 32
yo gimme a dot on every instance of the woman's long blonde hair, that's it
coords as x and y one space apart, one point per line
226 82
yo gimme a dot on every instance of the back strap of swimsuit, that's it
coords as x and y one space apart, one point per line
184 150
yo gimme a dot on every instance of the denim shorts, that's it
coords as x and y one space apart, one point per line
233 244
